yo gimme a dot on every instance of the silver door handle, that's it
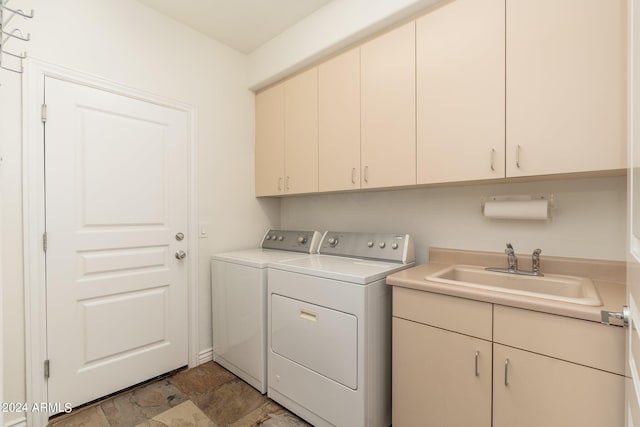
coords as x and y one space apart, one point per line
493 159
506 372
181 255
476 364
286 184
366 174
353 175
518 156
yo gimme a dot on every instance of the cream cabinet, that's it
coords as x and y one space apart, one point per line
455 358
269 150
287 137
472 90
460 62
339 122
460 365
442 365
388 118
301 133
566 86
556 371
532 390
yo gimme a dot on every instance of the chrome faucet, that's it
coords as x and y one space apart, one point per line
512 263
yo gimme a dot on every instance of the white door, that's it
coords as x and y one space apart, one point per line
632 394
116 198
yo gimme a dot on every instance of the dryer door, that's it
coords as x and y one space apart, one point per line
316 337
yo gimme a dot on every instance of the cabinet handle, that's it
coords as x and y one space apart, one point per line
518 156
506 372
286 184
279 183
476 365
493 159
353 175
366 174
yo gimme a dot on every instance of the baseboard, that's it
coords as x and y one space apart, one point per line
205 356
20 422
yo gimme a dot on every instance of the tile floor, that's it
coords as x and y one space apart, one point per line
205 396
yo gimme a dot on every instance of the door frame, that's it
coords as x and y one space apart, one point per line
33 217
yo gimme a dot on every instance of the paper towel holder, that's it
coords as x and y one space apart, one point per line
523 200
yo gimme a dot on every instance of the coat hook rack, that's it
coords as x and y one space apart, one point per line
7 14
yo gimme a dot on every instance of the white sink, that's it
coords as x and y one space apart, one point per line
573 289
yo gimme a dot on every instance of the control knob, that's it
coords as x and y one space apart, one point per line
382 245
394 246
333 241
280 238
302 240
370 243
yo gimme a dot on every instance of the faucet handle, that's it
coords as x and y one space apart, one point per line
509 249
535 262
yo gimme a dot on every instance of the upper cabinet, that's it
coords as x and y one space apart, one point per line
566 86
388 118
472 90
269 149
339 122
460 62
301 133
287 137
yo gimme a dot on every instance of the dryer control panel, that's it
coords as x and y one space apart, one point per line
292 240
378 246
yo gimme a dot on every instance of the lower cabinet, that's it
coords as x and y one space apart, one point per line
444 376
440 378
531 390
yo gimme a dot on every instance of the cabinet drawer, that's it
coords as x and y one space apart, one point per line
455 314
579 341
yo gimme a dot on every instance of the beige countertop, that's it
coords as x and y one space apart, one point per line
609 278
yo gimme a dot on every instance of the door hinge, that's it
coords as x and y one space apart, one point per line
45 241
44 113
47 367
622 316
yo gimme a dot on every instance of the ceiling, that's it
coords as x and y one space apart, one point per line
241 24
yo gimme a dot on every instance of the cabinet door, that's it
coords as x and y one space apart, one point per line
388 109
460 92
437 379
542 391
566 86
339 122
269 149
301 133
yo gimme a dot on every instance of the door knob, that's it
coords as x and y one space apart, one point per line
181 254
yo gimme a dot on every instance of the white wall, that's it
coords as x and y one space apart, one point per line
589 222
129 43
329 29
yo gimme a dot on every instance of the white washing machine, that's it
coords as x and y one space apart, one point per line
329 357
239 301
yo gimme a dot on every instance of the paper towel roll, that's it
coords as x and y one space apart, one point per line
517 209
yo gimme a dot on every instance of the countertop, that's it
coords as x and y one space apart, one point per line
609 278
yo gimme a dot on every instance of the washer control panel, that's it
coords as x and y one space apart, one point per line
292 240
379 246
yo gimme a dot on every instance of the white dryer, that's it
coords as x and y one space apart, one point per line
239 301
329 357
